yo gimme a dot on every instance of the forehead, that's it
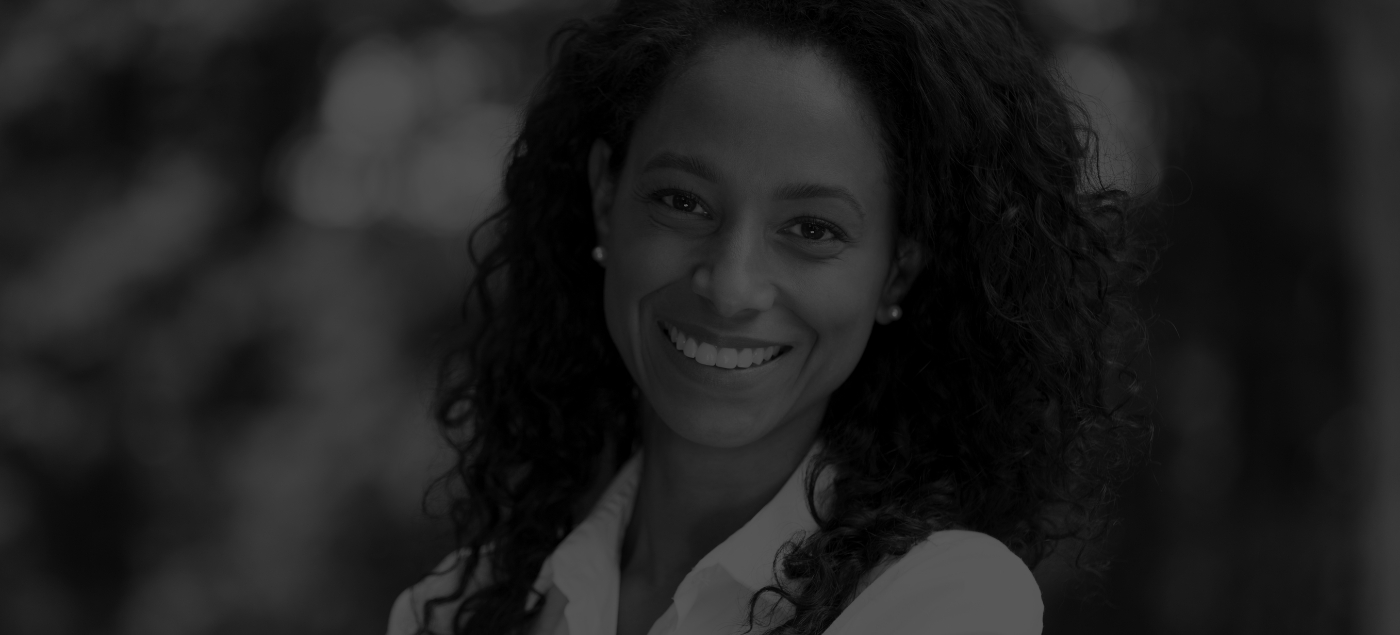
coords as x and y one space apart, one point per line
765 109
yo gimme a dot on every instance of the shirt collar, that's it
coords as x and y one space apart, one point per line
748 554
584 567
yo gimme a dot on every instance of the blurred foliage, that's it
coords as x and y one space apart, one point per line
232 234
1247 521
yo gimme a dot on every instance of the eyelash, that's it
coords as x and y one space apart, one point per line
662 193
659 195
835 231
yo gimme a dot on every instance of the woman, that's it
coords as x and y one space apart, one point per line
837 362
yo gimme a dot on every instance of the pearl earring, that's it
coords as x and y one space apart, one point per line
599 254
894 312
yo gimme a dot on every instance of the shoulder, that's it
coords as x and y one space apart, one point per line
953 583
968 560
408 614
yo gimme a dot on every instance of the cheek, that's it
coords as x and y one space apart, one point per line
639 265
843 314
843 337
646 257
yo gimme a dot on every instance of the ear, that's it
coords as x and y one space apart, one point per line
603 184
904 269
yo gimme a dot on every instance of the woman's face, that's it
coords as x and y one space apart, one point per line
751 222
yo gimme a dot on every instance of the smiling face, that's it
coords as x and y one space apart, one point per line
751 220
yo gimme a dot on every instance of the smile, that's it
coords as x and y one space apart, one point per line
708 354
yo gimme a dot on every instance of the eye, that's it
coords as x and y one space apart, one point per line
681 201
817 231
813 231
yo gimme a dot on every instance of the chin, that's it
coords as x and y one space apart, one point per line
715 426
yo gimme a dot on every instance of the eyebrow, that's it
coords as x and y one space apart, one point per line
791 192
670 160
800 191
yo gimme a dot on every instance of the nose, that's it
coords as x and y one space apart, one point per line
734 276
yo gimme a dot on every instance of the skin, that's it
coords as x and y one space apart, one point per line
713 221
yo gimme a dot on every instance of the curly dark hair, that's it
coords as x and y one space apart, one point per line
997 405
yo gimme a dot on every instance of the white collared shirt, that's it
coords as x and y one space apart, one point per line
953 583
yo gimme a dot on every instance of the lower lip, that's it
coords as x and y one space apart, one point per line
714 375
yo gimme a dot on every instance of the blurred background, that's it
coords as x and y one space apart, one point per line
232 235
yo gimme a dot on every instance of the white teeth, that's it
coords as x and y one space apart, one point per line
711 355
706 354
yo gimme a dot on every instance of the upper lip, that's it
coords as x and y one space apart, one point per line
718 339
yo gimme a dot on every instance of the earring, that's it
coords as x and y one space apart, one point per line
894 312
599 254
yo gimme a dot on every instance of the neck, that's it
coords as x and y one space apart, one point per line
692 497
